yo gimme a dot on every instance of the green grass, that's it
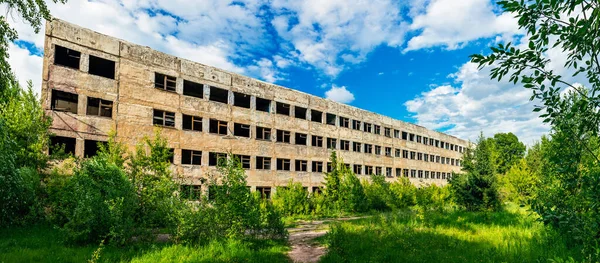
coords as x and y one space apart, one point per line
505 236
43 244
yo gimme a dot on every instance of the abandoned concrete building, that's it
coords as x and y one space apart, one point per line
94 84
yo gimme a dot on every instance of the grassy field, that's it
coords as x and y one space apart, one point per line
43 244
507 236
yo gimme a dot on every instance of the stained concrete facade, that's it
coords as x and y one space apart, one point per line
135 98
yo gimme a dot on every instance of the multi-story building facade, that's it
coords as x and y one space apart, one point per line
94 84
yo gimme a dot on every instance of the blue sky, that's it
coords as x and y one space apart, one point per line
404 59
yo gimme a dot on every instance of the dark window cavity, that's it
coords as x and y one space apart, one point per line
301 165
191 157
283 164
241 100
244 160
215 158
282 108
317 141
192 123
163 118
300 112
283 136
301 138
193 89
218 127
263 163
99 107
316 116
331 143
65 143
263 104
91 147
331 119
64 101
164 82
317 167
242 130
219 95
263 133
102 67
66 57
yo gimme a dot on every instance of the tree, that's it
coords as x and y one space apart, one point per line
509 150
333 183
476 189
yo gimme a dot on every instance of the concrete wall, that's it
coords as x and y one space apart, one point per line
134 96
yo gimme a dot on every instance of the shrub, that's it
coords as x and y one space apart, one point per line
404 190
292 200
99 203
353 193
433 197
379 195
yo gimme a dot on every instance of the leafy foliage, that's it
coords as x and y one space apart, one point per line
292 200
508 150
476 189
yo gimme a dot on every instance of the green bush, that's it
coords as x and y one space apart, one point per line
99 203
379 194
433 197
292 200
353 193
404 190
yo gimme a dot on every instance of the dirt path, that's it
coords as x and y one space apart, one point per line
302 239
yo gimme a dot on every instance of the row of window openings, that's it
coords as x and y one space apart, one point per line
68 102
70 58
106 68
165 82
194 192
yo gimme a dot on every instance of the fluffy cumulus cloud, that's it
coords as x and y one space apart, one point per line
474 104
339 94
452 23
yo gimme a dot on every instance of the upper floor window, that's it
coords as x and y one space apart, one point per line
388 132
191 157
102 67
282 108
263 104
263 133
219 95
367 127
317 141
193 89
331 143
218 127
164 82
99 107
241 100
64 101
344 122
377 129
242 130
300 112
66 57
316 116
331 119
283 136
192 123
163 118
356 125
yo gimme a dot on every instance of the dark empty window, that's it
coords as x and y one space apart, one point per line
377 149
66 57
317 141
242 130
368 170
263 133
357 169
65 143
190 192
282 108
316 116
99 107
331 143
283 164
91 147
345 145
64 101
344 122
317 167
396 133
283 136
244 160
218 127
265 192
241 100
376 129
263 104
411 137
263 163
216 158
102 67
404 135
301 138
301 165
387 132
356 146
368 148
356 125
388 171
164 82
193 89
163 118
367 127
192 123
300 112
388 151
219 95
331 119
191 157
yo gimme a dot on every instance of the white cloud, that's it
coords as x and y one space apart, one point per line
476 104
452 23
26 66
339 94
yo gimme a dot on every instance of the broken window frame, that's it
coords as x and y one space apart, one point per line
344 145
163 118
263 133
356 147
357 169
376 129
377 150
368 148
332 142
195 123
218 127
165 82
378 170
283 164
191 157
263 105
263 163
356 125
301 166
67 98
284 136
103 108
317 141
190 192
368 170
216 158
388 172
367 127
331 119
388 151
387 132
92 144
397 153
344 122
244 160
404 135
396 133
265 192
317 167
301 139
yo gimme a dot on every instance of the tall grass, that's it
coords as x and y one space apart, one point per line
431 236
